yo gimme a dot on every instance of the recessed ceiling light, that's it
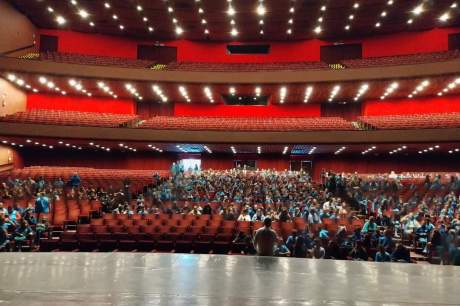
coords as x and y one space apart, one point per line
231 11
234 32
418 10
444 17
179 30
60 20
317 30
261 10
84 14
11 77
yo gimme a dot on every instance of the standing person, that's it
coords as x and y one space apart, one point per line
174 169
265 239
75 180
42 205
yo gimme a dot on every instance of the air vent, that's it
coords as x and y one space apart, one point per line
248 49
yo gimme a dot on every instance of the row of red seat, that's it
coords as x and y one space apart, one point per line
411 59
83 59
422 121
90 177
245 67
60 117
216 237
246 124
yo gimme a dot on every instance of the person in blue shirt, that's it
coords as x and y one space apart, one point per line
382 255
387 240
423 232
75 180
323 233
281 250
42 205
290 241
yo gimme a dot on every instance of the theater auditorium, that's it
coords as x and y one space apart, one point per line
229 152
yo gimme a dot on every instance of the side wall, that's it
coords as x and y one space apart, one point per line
9 158
16 31
12 99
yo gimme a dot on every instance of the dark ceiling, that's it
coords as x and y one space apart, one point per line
300 17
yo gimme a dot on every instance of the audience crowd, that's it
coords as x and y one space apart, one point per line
401 212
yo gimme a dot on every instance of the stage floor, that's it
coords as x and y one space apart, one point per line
92 279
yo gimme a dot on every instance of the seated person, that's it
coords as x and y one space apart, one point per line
359 252
369 226
401 254
281 249
300 249
21 234
4 242
382 255
318 251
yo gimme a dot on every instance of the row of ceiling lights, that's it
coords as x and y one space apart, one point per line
79 87
428 150
94 145
260 11
397 150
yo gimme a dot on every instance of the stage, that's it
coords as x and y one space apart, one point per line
92 279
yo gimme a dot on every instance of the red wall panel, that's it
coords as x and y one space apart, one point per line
311 110
407 43
411 106
99 160
93 44
307 50
221 163
81 104
298 51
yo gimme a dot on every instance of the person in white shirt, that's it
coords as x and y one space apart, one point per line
244 216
